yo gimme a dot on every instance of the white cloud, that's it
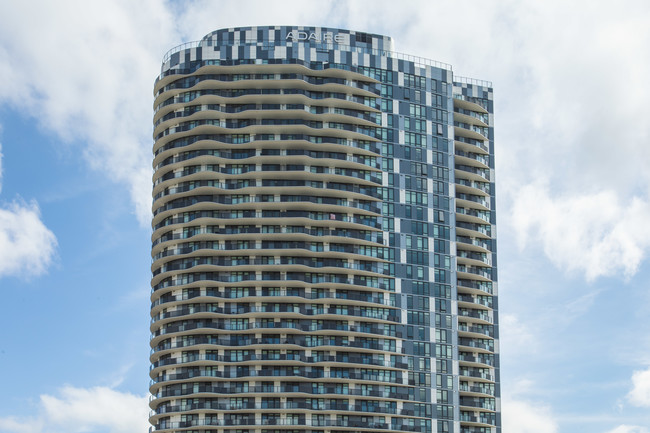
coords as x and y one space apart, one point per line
571 152
520 416
27 246
516 337
88 76
523 415
15 425
640 394
81 410
624 428
596 234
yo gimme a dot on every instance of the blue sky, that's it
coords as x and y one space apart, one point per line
573 186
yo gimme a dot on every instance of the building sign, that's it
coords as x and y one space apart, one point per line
316 37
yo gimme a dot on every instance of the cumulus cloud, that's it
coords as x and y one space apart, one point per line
88 76
521 416
640 394
571 159
596 234
81 410
27 246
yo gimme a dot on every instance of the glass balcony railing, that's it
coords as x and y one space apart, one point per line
484 286
483 159
483 117
484 215
474 241
482 172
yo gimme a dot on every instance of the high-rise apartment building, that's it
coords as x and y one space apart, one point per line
323 238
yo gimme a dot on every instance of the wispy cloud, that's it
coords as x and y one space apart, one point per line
27 246
624 428
516 337
1 156
77 410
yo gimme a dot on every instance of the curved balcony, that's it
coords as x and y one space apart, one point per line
469 116
478 330
230 71
313 112
482 131
478 402
215 294
469 103
301 405
483 300
474 315
268 96
277 372
468 144
252 133
367 345
472 187
478 419
239 116
474 244
329 215
331 220
462 132
231 173
470 358
475 287
462 199
264 148
237 389
285 125
238 253
256 80
232 68
483 272
480 160
472 173
317 281
256 232
271 358
472 229
252 422
360 196
473 215
213 317
477 374
486 345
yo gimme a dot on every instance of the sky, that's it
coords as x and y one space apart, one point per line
572 92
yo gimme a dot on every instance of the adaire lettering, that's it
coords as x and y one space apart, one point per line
316 37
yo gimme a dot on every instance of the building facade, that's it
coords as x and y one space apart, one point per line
324 246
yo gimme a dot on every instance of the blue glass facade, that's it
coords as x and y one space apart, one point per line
324 238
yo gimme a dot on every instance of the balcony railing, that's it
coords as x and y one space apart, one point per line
484 286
